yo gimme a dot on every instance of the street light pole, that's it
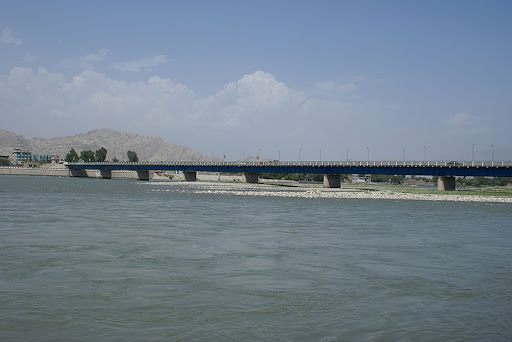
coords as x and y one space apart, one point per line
300 149
424 154
320 154
492 155
368 160
279 155
473 155
258 157
404 153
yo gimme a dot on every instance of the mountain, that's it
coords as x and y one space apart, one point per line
117 144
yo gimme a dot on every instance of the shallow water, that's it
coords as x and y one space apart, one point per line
93 259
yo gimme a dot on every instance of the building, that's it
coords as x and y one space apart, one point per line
55 158
21 156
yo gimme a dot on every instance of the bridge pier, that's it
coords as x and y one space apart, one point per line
250 177
332 181
106 174
78 173
143 175
446 183
190 176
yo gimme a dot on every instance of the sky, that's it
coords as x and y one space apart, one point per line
315 80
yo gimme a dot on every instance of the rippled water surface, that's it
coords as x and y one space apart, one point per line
111 260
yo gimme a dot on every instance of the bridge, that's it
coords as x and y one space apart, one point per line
445 170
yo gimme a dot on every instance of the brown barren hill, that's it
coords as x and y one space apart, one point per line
117 144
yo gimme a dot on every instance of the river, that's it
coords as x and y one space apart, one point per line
111 260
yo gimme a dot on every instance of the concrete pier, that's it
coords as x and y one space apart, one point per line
332 181
143 175
190 176
446 183
106 174
78 173
250 177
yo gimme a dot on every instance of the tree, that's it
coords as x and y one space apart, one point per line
87 156
72 156
132 157
101 154
5 162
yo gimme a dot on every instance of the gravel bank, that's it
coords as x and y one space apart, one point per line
305 192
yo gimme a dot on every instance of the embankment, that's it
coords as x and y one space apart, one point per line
60 172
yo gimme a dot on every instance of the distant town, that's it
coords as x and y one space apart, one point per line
25 158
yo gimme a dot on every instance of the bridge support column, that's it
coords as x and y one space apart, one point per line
106 174
143 175
190 176
446 183
250 177
78 173
332 181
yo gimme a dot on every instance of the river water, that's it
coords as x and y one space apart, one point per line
112 260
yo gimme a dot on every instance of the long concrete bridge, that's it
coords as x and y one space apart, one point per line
446 171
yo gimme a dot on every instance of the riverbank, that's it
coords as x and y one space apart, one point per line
58 171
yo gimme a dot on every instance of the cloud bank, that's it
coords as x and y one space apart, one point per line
255 112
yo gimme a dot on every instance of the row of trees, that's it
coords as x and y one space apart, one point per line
99 156
484 181
5 162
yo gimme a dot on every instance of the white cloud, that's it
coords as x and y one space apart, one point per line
10 37
460 120
99 56
257 96
141 64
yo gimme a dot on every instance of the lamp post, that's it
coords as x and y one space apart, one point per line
404 153
473 155
278 155
258 156
320 154
300 149
424 154
368 159
347 154
492 155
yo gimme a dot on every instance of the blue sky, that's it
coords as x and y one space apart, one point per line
238 77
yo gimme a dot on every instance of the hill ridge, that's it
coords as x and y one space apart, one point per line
117 144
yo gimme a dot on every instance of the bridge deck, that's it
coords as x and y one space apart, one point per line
429 168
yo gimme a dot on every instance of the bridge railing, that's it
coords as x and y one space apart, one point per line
380 163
